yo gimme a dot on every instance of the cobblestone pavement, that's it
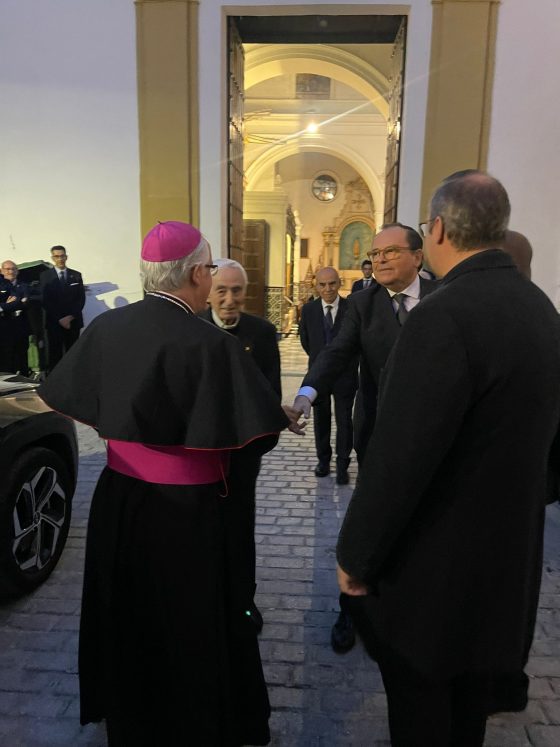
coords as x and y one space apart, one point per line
319 699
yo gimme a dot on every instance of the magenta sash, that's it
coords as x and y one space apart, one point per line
167 465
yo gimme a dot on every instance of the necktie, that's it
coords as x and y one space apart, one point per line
62 276
329 323
366 283
402 313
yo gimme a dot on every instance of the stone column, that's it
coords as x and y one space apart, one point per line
168 110
460 89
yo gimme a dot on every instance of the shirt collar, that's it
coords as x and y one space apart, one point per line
218 322
413 289
333 305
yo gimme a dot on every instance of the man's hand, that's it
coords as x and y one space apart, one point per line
11 299
301 406
294 416
349 585
66 321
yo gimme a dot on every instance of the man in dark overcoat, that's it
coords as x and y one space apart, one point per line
257 337
319 325
371 326
63 298
443 535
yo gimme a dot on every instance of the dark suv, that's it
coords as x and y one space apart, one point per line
38 471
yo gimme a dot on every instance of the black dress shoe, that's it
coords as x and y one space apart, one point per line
343 636
342 477
322 470
256 617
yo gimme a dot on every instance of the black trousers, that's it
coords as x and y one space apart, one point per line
13 355
344 431
450 713
59 341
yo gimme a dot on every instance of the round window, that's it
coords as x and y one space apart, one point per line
324 187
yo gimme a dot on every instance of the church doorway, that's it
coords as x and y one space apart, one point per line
314 140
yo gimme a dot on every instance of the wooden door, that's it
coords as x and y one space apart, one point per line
394 126
236 63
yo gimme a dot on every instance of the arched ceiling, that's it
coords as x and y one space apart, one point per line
267 61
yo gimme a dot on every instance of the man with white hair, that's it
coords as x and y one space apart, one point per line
257 337
168 654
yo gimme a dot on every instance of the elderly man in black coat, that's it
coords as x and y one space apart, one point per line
257 337
443 535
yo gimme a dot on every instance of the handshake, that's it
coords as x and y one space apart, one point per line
301 407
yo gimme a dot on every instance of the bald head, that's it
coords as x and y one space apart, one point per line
519 249
327 282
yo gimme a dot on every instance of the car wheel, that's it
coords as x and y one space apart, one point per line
35 509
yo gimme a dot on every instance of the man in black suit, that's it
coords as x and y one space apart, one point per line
319 326
367 280
443 536
370 329
257 336
63 296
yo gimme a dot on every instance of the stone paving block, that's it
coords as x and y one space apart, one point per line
544 736
504 736
552 710
540 688
52 661
544 666
533 714
555 684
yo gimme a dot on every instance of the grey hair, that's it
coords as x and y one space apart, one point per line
169 276
474 208
225 262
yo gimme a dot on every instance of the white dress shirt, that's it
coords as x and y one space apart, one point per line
412 294
334 307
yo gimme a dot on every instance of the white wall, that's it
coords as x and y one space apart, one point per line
525 133
212 98
69 139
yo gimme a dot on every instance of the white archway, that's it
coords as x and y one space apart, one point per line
317 143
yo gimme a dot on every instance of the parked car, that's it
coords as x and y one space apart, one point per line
38 471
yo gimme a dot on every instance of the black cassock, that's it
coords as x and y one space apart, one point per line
167 652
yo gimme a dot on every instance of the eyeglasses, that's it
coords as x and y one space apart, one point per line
424 227
389 253
213 269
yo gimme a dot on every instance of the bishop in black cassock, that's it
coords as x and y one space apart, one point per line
167 652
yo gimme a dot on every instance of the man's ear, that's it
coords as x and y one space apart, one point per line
438 230
419 257
196 274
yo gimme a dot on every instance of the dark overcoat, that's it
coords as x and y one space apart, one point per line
369 329
257 337
313 341
446 523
